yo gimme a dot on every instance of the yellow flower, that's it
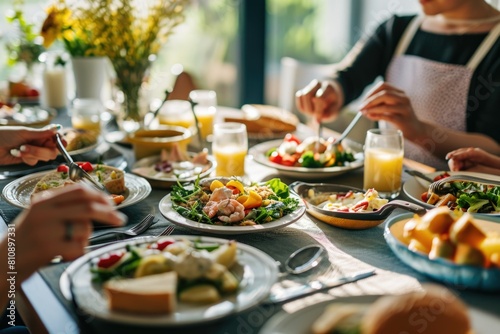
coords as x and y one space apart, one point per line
54 24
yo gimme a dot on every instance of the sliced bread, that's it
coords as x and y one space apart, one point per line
155 294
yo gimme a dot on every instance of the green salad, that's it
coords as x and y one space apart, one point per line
474 197
229 202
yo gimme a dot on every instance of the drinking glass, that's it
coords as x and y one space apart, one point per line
230 147
86 114
384 161
177 113
206 102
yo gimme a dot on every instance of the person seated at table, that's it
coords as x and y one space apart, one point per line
473 159
57 223
441 78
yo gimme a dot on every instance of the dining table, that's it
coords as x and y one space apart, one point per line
44 308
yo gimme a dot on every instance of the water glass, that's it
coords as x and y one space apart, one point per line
206 102
230 147
86 114
384 161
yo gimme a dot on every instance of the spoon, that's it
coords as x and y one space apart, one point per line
303 259
333 144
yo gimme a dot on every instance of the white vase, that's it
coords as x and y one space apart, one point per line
89 73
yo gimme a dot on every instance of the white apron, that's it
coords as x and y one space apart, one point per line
438 91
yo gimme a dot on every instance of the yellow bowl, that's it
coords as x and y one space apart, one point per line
150 142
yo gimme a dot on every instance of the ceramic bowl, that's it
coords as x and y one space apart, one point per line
461 276
146 142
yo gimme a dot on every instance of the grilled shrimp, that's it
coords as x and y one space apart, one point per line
211 208
231 211
221 194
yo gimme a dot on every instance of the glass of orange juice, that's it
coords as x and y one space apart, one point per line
384 161
206 102
230 147
177 113
86 114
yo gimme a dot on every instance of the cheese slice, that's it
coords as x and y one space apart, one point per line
155 294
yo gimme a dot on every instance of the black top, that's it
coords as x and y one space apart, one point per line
370 59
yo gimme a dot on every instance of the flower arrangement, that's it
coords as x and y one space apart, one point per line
26 46
129 32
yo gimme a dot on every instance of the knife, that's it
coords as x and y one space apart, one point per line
315 286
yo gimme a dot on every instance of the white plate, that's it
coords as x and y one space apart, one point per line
303 173
18 192
168 212
300 321
414 187
259 272
87 149
169 180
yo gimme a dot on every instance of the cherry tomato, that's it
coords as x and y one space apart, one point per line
235 190
288 160
290 137
424 197
63 168
110 259
441 176
276 157
86 166
162 243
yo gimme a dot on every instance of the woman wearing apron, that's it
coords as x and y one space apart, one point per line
441 76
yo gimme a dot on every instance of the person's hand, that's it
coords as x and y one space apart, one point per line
388 103
59 222
22 144
322 100
469 158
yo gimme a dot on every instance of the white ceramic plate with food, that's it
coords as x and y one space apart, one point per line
86 148
257 270
184 171
304 173
168 212
301 320
18 192
414 187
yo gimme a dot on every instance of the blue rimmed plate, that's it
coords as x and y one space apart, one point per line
461 276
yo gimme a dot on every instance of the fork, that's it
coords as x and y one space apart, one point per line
167 231
437 186
135 230
76 173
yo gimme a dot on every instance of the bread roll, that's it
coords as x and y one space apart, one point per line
433 311
263 119
155 294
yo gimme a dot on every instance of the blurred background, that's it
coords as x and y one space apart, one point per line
235 47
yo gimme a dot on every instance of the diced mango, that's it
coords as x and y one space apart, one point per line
442 247
465 230
438 220
468 255
417 246
415 230
490 245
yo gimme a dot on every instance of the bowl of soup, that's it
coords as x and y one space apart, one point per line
148 142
